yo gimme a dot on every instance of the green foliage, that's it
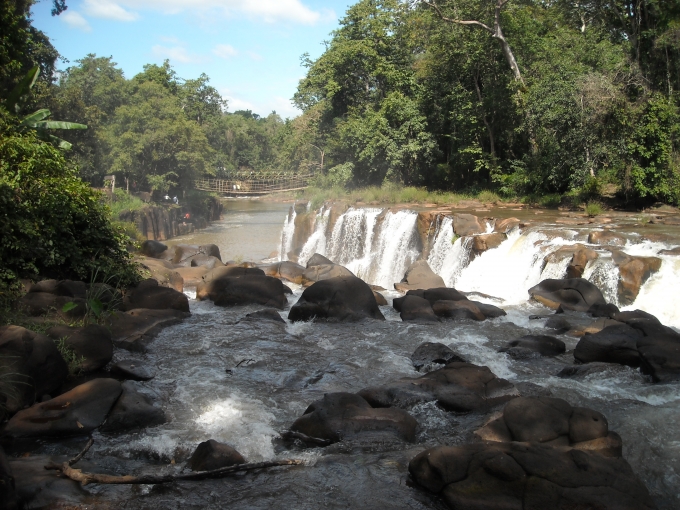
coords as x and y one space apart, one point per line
488 197
593 209
52 224
73 361
123 201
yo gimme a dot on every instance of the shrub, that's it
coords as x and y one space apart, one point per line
488 197
51 223
593 209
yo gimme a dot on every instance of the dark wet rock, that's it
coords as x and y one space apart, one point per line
529 476
42 303
133 370
614 344
134 329
208 261
379 298
489 311
416 309
37 362
458 310
318 260
603 310
269 314
544 345
460 387
633 273
344 298
132 410
433 352
419 275
528 389
285 270
570 293
558 323
597 325
211 279
553 421
192 276
148 294
606 237
321 272
153 249
585 370
251 288
75 412
660 356
67 288
441 294
9 499
485 242
339 416
211 455
631 316
92 343
467 225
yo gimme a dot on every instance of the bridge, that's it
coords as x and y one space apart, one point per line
255 183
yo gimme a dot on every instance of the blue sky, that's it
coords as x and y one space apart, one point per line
250 48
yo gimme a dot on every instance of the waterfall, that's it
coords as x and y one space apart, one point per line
656 295
287 235
317 241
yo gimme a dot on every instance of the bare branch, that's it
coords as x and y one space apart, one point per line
292 434
433 5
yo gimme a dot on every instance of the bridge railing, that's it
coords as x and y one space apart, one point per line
255 184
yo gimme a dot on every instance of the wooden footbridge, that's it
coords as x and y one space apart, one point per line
255 183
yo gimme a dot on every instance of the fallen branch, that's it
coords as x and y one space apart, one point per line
292 434
86 478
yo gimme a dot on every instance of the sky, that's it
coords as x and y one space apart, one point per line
250 49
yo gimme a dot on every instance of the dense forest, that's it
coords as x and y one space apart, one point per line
517 96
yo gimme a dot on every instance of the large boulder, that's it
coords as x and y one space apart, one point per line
92 343
37 303
468 224
553 421
633 273
163 272
544 345
419 275
210 455
579 256
414 309
320 272
252 287
192 276
507 224
614 344
67 288
344 298
148 294
457 310
153 249
75 412
339 416
286 270
441 294
489 311
485 242
429 353
134 329
606 237
659 354
528 476
34 358
460 387
570 293
132 410
318 260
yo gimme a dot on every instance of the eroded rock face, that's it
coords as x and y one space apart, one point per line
570 293
460 387
92 342
544 345
633 273
467 225
35 358
338 416
78 411
419 275
528 476
343 298
148 294
552 421
210 455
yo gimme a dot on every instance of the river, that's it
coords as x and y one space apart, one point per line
244 382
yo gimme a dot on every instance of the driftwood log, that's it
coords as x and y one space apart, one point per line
78 475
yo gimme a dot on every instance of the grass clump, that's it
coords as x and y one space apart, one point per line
593 209
73 361
122 202
488 197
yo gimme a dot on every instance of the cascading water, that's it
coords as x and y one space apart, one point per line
287 234
317 241
656 295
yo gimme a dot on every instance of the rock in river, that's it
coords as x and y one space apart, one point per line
543 345
570 293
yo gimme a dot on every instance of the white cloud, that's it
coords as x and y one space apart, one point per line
75 20
177 54
254 56
269 11
224 51
108 9
283 107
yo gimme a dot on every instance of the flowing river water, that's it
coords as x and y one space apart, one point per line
244 382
